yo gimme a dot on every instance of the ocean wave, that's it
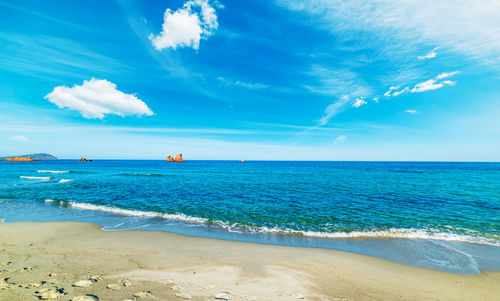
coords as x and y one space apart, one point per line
53 171
64 180
395 233
36 178
127 212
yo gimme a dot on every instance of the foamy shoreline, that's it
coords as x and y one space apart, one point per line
119 265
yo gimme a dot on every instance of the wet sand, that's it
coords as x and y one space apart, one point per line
79 261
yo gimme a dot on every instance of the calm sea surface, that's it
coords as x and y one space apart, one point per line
437 215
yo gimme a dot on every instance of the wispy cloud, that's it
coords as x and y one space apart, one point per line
429 55
340 139
333 109
19 138
411 112
399 27
242 84
186 26
96 98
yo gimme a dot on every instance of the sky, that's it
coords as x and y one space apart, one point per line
383 80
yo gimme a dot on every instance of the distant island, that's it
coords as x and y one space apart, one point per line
33 157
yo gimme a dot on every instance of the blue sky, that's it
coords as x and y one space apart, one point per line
278 80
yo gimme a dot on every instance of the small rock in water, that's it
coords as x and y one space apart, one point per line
85 298
113 286
183 295
223 296
143 294
83 283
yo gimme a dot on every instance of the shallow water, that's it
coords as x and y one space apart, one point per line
444 216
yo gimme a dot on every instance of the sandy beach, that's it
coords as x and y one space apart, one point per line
79 261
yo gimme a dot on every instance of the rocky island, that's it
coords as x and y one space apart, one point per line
177 158
84 160
30 157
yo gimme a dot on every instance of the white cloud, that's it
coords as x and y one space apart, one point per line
96 98
446 74
434 83
430 55
358 102
396 93
334 109
19 138
393 91
411 112
340 139
186 26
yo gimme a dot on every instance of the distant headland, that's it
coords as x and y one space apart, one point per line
30 157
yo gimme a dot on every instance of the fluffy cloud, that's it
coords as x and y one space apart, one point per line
434 83
411 112
96 98
19 138
186 26
430 55
340 139
358 102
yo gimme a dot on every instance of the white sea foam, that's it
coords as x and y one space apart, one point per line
64 180
52 171
151 214
36 178
385 234
49 201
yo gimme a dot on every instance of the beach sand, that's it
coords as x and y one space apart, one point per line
79 261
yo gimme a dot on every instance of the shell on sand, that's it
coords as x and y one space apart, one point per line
183 295
85 298
83 283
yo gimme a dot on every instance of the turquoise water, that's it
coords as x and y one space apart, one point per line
424 214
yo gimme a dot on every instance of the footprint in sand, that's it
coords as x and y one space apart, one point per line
143 294
32 285
95 278
183 295
126 282
4 284
83 283
296 295
225 296
85 298
177 288
248 298
50 293
114 287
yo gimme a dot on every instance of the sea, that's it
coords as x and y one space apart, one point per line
435 215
